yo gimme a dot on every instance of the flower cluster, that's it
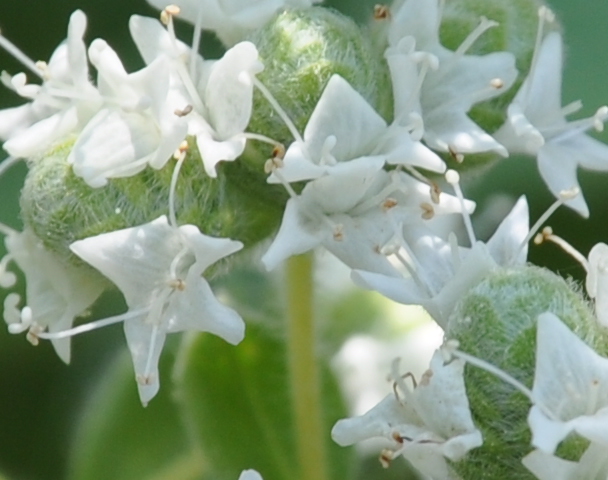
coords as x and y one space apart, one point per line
371 187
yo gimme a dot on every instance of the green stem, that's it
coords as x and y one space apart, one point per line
304 371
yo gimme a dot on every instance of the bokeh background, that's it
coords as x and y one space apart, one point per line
42 400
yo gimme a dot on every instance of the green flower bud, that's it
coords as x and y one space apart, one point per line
61 208
496 321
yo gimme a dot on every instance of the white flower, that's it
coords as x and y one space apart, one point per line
61 105
214 97
453 82
353 212
570 388
158 268
56 292
425 425
593 465
343 127
231 20
536 125
441 272
136 128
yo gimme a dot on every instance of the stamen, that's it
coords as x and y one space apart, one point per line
185 111
453 179
564 196
563 132
196 40
547 235
458 157
451 350
148 379
87 327
381 12
484 25
263 138
181 155
435 191
174 264
285 183
14 51
277 108
170 11
428 211
400 382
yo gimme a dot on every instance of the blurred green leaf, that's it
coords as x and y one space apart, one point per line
237 402
118 439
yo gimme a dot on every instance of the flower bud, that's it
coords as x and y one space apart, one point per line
496 322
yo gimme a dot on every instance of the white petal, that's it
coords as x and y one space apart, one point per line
229 90
506 245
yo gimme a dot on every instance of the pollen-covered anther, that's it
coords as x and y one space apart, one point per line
181 150
381 12
497 83
546 14
278 152
426 377
168 13
389 203
435 193
545 234
33 333
428 211
386 457
183 112
599 118
272 164
177 284
338 233
398 438
459 157
569 194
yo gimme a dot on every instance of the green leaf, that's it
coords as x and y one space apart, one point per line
237 402
118 439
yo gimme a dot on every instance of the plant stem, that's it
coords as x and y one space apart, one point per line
304 372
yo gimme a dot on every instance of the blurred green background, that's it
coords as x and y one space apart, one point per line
41 400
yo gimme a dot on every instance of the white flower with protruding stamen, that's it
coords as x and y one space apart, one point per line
536 125
214 98
452 82
426 425
62 104
344 127
142 126
56 293
158 267
570 388
353 212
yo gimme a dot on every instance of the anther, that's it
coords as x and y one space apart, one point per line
381 12
145 379
278 152
32 334
168 13
338 233
428 211
459 157
497 83
543 235
272 164
178 284
388 204
398 438
386 457
186 110
435 193
546 14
